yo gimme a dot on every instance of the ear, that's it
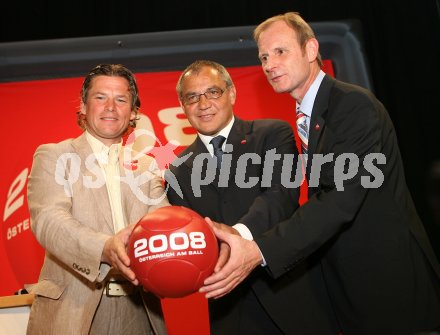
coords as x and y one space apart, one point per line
232 94
132 114
181 104
82 108
183 108
312 47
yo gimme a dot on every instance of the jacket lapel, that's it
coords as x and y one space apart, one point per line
197 166
238 138
237 141
130 169
317 123
320 107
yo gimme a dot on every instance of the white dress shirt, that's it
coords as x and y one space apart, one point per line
108 159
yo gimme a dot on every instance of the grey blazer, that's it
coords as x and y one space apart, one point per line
71 219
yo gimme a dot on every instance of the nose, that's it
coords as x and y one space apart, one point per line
204 102
268 65
110 105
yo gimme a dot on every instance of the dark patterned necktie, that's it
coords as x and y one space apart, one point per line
303 131
217 143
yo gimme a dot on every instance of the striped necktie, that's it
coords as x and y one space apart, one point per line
303 130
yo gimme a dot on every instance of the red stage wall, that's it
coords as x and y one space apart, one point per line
36 112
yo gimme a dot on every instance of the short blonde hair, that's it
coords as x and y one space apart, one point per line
303 30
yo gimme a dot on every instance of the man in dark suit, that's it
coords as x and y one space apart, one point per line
359 224
248 196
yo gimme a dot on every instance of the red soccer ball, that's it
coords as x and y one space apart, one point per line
172 250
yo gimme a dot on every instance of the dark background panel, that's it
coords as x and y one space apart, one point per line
401 39
340 42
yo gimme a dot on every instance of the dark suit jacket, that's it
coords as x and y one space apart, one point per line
291 301
378 266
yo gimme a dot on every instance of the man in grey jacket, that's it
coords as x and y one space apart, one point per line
84 197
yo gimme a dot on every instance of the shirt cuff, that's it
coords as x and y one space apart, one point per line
243 231
246 234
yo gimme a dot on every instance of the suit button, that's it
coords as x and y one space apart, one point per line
98 286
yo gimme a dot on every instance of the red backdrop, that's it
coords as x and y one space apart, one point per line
36 112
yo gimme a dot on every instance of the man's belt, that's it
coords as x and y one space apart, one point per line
118 288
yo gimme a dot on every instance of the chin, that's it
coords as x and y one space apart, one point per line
208 131
278 88
281 90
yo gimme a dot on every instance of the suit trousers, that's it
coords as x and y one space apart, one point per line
241 313
123 315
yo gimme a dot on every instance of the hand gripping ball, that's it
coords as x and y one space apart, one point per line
172 250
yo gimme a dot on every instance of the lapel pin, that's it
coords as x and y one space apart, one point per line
131 165
243 142
317 127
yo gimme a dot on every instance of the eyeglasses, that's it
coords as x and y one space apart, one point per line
212 93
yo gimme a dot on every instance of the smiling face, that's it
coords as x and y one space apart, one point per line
207 116
288 67
108 109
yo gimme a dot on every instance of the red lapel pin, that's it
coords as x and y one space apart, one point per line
243 142
317 127
133 165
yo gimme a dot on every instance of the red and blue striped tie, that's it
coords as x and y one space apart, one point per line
303 130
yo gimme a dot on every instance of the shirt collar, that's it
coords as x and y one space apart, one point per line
100 149
224 132
309 99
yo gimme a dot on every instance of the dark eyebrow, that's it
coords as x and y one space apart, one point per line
209 88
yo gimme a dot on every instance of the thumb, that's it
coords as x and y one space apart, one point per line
221 234
209 222
130 227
